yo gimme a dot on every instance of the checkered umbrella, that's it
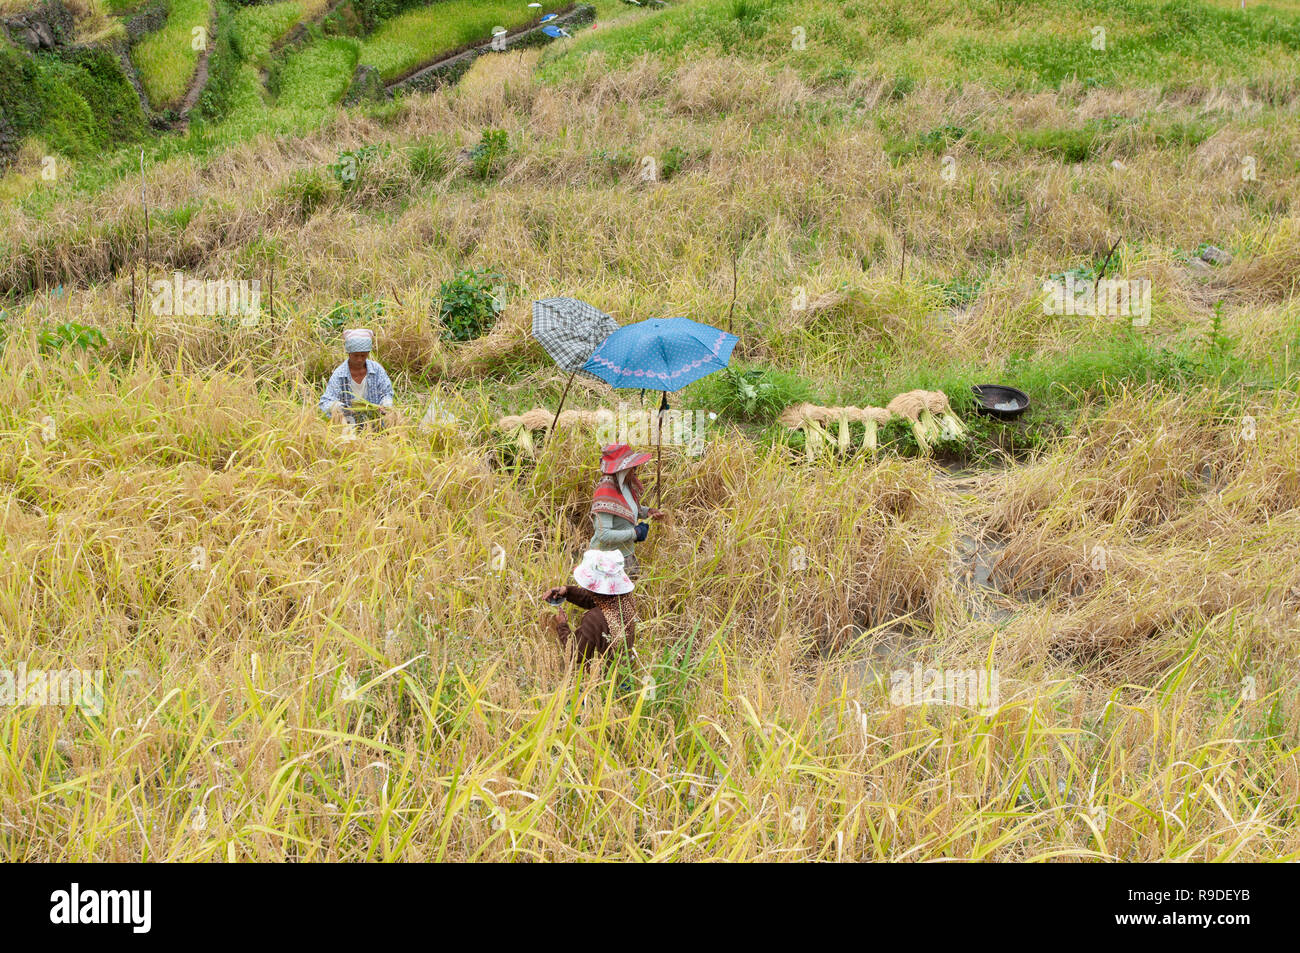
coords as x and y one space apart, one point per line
570 330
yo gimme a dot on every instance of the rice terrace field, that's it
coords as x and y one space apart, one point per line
927 634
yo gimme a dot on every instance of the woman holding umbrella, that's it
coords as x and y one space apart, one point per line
616 511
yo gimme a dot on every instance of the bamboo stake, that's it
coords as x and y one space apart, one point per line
731 310
144 201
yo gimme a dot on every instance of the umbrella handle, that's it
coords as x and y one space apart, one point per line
659 461
556 419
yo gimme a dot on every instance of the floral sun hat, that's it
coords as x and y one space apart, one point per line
601 571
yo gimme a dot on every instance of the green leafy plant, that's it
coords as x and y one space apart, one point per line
306 192
348 167
755 395
70 333
1218 342
470 304
489 155
431 159
959 292
671 162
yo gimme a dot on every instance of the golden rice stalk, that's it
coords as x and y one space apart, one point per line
363 411
525 438
842 437
950 427
818 435
911 405
538 418
812 442
510 423
907 405
872 418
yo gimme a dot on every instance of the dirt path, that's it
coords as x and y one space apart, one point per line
200 80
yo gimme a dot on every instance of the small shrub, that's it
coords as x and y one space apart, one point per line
470 304
1068 145
959 292
755 396
671 162
430 160
348 167
306 192
70 333
489 156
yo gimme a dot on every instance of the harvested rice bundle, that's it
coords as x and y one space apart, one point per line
807 417
795 415
949 426
362 411
521 426
811 417
517 426
537 419
575 418
912 406
842 415
818 435
871 418
519 433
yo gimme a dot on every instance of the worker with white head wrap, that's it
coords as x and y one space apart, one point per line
357 378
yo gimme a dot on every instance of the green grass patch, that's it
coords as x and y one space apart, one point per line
1033 44
166 60
420 35
256 29
318 75
78 105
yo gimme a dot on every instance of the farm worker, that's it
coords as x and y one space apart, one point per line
358 377
616 510
605 591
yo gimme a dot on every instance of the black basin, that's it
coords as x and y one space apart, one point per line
991 395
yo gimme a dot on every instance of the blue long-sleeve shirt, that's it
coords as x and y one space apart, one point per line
378 390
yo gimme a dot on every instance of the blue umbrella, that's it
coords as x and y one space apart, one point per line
660 354
663 354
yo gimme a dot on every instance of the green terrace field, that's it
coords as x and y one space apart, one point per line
335 660
257 28
416 36
166 60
